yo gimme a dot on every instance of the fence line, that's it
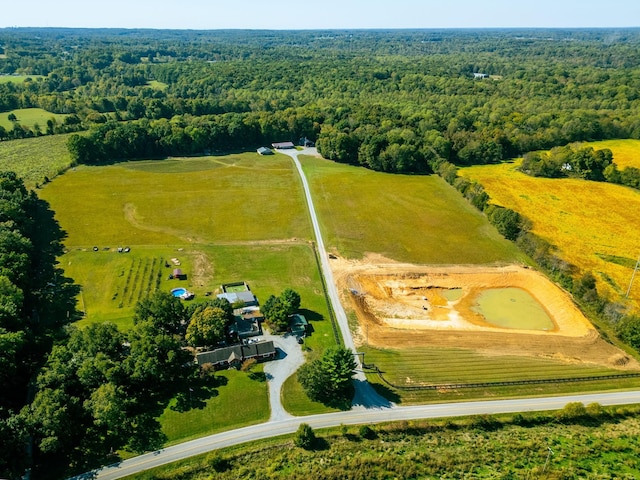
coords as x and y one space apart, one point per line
541 381
326 294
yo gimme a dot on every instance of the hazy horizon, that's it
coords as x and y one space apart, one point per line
334 14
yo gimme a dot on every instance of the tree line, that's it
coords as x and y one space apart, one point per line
579 162
36 303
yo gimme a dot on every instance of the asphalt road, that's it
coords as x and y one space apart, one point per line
352 417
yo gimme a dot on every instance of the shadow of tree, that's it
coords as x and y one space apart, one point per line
258 376
320 444
198 393
386 392
310 314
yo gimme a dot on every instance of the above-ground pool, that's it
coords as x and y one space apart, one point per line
512 308
178 292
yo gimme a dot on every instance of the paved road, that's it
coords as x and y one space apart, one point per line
353 417
365 395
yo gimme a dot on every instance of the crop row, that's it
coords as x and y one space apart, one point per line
143 278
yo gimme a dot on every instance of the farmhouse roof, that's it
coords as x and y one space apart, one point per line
226 355
247 298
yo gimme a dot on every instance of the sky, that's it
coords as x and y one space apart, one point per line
321 14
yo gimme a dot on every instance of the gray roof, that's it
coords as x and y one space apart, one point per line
247 297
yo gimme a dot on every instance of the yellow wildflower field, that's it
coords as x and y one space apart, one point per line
595 225
626 153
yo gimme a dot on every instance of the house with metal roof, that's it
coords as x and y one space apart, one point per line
247 299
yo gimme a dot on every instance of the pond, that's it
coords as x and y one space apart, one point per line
512 308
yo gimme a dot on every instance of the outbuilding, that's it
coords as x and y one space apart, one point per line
265 151
283 145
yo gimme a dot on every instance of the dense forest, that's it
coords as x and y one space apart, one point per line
410 101
387 100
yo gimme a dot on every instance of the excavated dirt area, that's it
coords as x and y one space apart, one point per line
404 305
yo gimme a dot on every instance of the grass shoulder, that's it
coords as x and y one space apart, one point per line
582 441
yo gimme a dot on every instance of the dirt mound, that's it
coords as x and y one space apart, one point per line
404 305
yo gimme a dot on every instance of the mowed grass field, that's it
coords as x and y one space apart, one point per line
236 198
409 218
33 159
424 366
594 224
195 209
29 117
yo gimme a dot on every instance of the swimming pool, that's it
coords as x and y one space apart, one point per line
179 292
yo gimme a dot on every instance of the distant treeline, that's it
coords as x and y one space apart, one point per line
582 162
387 100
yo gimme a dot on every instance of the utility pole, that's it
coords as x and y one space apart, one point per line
633 275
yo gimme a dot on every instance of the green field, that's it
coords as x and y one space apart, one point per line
16 78
236 198
428 366
29 117
156 85
410 218
33 159
232 218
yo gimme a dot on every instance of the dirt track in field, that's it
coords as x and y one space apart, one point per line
405 305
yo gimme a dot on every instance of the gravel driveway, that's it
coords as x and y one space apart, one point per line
290 358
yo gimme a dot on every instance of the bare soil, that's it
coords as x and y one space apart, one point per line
404 305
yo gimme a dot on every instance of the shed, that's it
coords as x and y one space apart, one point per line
283 145
265 151
178 273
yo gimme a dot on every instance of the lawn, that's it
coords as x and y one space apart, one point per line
157 85
240 400
29 117
410 218
593 224
33 159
